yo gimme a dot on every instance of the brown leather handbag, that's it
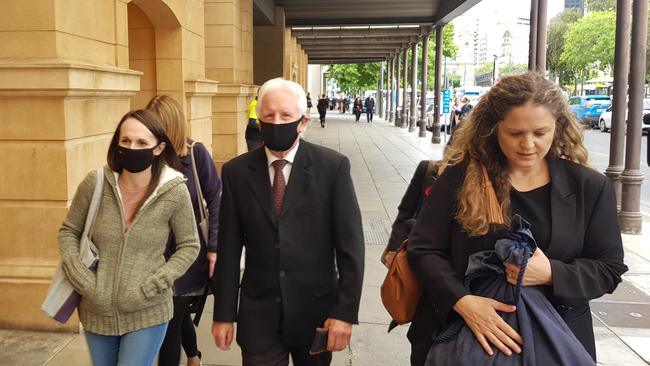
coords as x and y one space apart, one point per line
401 290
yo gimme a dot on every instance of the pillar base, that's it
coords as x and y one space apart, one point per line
423 128
405 119
435 138
630 218
630 222
412 123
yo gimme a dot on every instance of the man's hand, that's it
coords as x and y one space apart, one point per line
223 334
339 333
480 315
212 260
538 271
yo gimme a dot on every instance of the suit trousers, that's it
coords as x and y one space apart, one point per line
278 355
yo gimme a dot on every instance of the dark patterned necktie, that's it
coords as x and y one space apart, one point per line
279 185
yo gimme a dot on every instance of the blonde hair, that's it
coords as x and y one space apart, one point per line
475 141
170 113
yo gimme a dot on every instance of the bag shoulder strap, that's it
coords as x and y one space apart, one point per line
197 184
94 203
494 213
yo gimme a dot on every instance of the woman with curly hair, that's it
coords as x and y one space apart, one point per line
523 133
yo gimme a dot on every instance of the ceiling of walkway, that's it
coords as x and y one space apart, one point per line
343 31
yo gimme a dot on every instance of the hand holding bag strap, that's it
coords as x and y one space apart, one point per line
203 211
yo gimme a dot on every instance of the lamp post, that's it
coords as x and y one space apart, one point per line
494 69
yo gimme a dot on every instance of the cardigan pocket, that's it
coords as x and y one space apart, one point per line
134 299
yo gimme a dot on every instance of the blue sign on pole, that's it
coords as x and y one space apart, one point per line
446 96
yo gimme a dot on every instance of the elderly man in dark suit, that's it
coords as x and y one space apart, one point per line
292 205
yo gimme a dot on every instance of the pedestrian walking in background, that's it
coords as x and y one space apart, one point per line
370 108
322 105
523 133
463 111
358 107
304 242
309 102
127 303
191 289
453 117
253 137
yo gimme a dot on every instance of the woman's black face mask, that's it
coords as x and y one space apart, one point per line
279 137
135 160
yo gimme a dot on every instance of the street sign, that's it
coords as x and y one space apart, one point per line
446 96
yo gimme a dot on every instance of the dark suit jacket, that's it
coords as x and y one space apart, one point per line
413 198
585 249
301 267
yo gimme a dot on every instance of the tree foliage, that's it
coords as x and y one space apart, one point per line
589 42
600 5
353 78
512 69
557 30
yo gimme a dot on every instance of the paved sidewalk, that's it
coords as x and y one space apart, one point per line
383 159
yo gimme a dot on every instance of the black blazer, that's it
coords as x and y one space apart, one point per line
301 267
585 249
413 198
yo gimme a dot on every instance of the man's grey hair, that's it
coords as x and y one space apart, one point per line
280 83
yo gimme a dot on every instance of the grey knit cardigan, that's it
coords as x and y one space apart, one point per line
132 288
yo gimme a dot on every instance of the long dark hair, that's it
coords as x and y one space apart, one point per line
167 157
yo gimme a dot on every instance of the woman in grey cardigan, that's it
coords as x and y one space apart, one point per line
127 303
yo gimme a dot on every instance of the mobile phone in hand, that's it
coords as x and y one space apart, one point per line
319 344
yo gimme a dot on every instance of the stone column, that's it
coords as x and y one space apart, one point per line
621 69
423 90
398 115
630 218
404 120
414 87
389 89
268 43
199 94
380 96
532 39
540 61
229 60
435 138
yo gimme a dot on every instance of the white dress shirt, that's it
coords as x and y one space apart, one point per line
286 171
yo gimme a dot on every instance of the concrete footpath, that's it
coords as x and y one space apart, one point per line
383 159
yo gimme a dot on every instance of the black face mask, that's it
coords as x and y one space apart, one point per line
135 160
279 137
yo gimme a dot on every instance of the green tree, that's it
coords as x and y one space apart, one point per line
557 30
589 42
513 69
482 69
449 50
354 78
600 5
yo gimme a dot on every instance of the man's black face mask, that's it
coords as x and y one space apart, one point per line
279 137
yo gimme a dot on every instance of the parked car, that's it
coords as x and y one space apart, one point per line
444 122
588 108
605 119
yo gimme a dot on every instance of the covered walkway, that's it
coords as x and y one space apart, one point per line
383 159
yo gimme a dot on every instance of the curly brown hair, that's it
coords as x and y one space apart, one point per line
475 141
